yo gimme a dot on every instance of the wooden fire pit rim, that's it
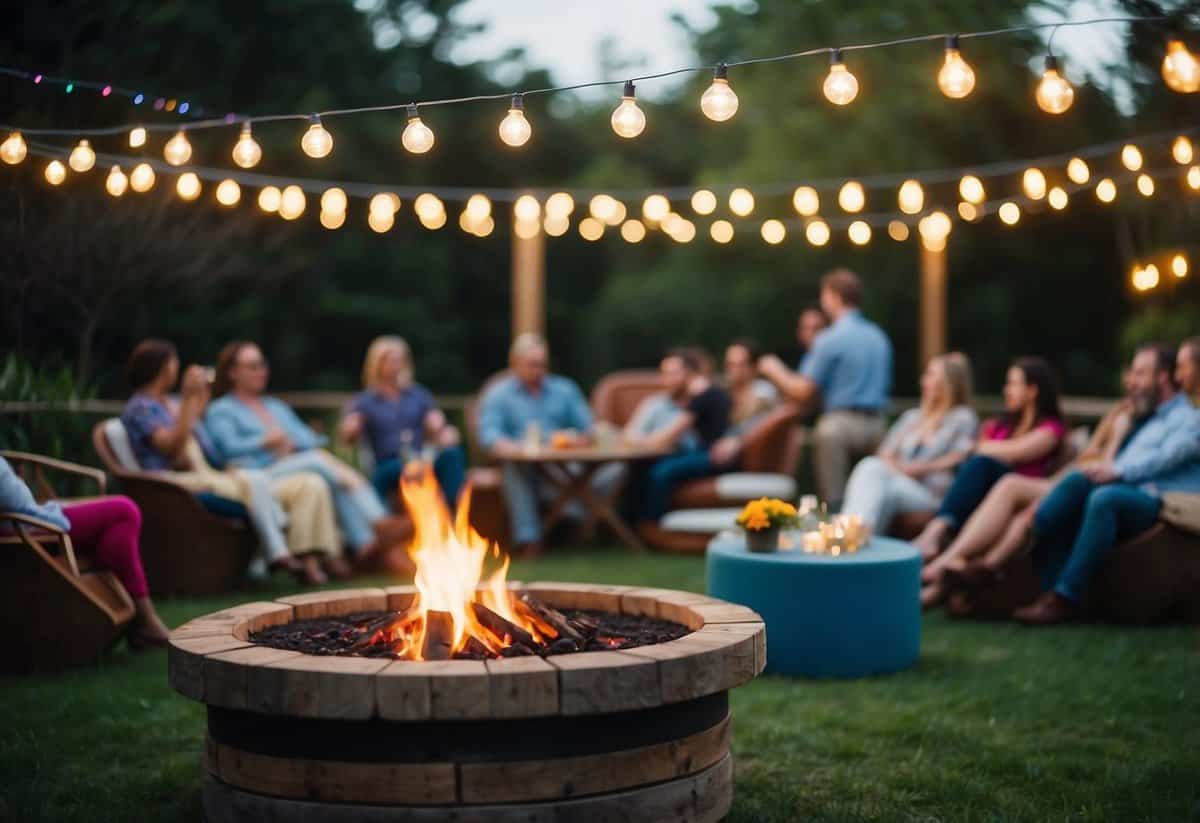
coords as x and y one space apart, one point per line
211 660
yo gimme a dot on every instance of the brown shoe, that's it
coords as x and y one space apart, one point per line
1050 608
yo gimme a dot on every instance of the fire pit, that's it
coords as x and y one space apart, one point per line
404 716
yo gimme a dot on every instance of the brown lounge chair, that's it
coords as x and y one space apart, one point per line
59 612
186 550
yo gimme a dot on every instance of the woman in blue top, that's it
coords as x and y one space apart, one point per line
399 421
251 430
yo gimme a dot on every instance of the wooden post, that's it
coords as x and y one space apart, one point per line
933 302
528 283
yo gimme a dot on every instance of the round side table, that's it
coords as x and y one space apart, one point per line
849 616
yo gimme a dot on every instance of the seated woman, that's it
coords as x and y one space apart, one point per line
395 416
251 430
751 397
107 527
915 463
1022 442
166 436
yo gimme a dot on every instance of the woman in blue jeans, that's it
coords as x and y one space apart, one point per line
1025 441
399 421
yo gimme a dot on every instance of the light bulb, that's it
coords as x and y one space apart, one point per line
1010 213
719 102
970 188
1078 171
628 120
486 227
229 193
633 231
82 158
381 203
553 225
333 219
1145 185
316 142
685 232
56 172
898 230
602 207
1106 190
911 197
671 222
655 207
246 151
935 227
618 215
527 208
560 204
380 221
1180 69
1193 177
434 221
741 202
704 202
591 229
417 137
292 202
428 207
137 137
1179 265
1131 157
968 211
141 179
13 149
956 78
1034 184
527 229
1057 198
1054 93
116 182
1150 273
333 200
841 87
806 201
1137 278
852 197
515 130
773 231
478 208
721 231
269 199
817 232
859 232
188 186
177 150
1182 150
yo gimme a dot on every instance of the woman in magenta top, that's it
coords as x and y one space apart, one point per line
1026 440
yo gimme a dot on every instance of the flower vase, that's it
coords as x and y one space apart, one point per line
763 540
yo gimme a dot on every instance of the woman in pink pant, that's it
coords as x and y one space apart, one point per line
107 528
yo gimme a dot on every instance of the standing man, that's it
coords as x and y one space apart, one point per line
847 374
529 406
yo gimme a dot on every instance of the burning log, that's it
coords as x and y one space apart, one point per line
556 620
439 636
501 626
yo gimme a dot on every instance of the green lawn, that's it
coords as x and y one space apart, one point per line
995 723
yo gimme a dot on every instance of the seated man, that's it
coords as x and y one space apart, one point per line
693 434
1084 517
750 395
526 407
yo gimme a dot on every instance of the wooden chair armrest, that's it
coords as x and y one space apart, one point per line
93 474
21 521
29 520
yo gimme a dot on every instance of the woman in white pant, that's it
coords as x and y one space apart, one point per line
915 464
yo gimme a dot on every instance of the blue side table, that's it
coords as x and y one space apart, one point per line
849 616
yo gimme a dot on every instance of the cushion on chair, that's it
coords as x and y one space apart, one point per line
735 487
699 521
118 441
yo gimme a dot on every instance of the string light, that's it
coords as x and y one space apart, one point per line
177 150
956 78
773 231
141 179
741 202
55 172
488 225
269 199
515 129
1106 190
527 229
1180 69
817 232
1145 185
602 207
633 231
1179 265
553 225
671 222
618 213
703 202
911 197
655 207
898 230
137 137
967 211
478 208
840 87
333 200
628 120
527 208
1193 177
1034 184
852 197
229 193
721 231
859 232
429 207
116 183
685 232
335 219
934 229
970 188
1181 150
381 221
719 102
806 201
560 204
1131 157
291 202
188 186
1009 213
417 137
13 149
1057 198
316 142
246 151
591 229
1078 171
1054 93
380 203
82 157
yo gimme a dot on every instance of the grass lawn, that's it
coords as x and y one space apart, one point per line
995 723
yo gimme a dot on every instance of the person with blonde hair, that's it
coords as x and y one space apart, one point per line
915 463
399 421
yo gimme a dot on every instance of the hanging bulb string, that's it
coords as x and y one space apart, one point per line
185 107
236 119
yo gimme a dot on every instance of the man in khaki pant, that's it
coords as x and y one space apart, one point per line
848 373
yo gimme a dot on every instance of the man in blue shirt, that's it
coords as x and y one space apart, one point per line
520 413
848 374
1091 510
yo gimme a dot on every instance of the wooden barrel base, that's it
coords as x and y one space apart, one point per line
704 797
